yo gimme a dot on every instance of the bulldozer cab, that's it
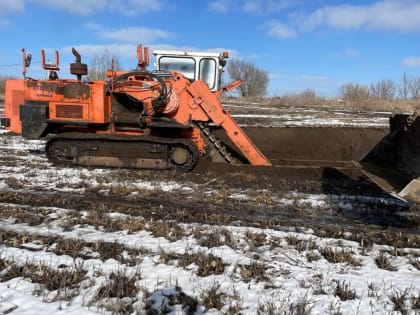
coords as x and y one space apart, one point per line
205 66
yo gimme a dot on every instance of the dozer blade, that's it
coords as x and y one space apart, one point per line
394 163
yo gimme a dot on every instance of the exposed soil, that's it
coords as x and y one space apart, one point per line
314 143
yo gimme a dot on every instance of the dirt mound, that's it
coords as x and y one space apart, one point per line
314 143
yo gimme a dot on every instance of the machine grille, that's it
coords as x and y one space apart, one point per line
69 111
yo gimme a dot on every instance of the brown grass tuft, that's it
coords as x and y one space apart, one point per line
207 264
213 297
339 256
384 262
399 300
254 271
344 291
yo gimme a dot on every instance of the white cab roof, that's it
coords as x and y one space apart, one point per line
186 53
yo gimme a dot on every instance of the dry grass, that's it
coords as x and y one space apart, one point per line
399 300
309 98
214 237
268 307
301 307
344 291
384 262
22 214
256 240
170 230
312 256
415 262
118 293
75 247
213 297
208 264
13 183
254 271
65 280
415 302
339 256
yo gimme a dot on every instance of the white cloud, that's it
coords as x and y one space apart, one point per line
251 6
119 50
350 53
221 6
279 30
130 34
311 77
77 7
394 15
89 7
8 7
277 5
134 7
411 62
11 6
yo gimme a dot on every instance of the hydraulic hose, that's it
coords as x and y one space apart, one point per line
159 101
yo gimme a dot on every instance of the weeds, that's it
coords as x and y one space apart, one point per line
312 256
317 284
22 215
254 271
118 293
61 281
415 302
383 262
213 297
215 238
344 291
415 262
301 307
13 183
399 300
308 245
256 239
339 256
236 302
292 240
207 264
268 307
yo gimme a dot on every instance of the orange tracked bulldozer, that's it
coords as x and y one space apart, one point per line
142 119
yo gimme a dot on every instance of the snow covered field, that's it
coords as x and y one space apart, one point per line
276 116
77 257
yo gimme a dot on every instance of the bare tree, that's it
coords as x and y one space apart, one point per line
3 79
100 63
404 87
354 92
414 87
384 89
254 80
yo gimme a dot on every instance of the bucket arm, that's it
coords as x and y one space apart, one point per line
210 104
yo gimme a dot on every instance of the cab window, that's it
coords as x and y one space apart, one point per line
183 65
208 72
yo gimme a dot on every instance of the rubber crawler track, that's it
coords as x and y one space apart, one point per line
87 138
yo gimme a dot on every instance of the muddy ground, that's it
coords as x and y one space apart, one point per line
315 157
326 216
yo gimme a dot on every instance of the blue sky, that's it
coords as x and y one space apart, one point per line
313 44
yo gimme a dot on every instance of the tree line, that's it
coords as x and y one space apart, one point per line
407 88
255 81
